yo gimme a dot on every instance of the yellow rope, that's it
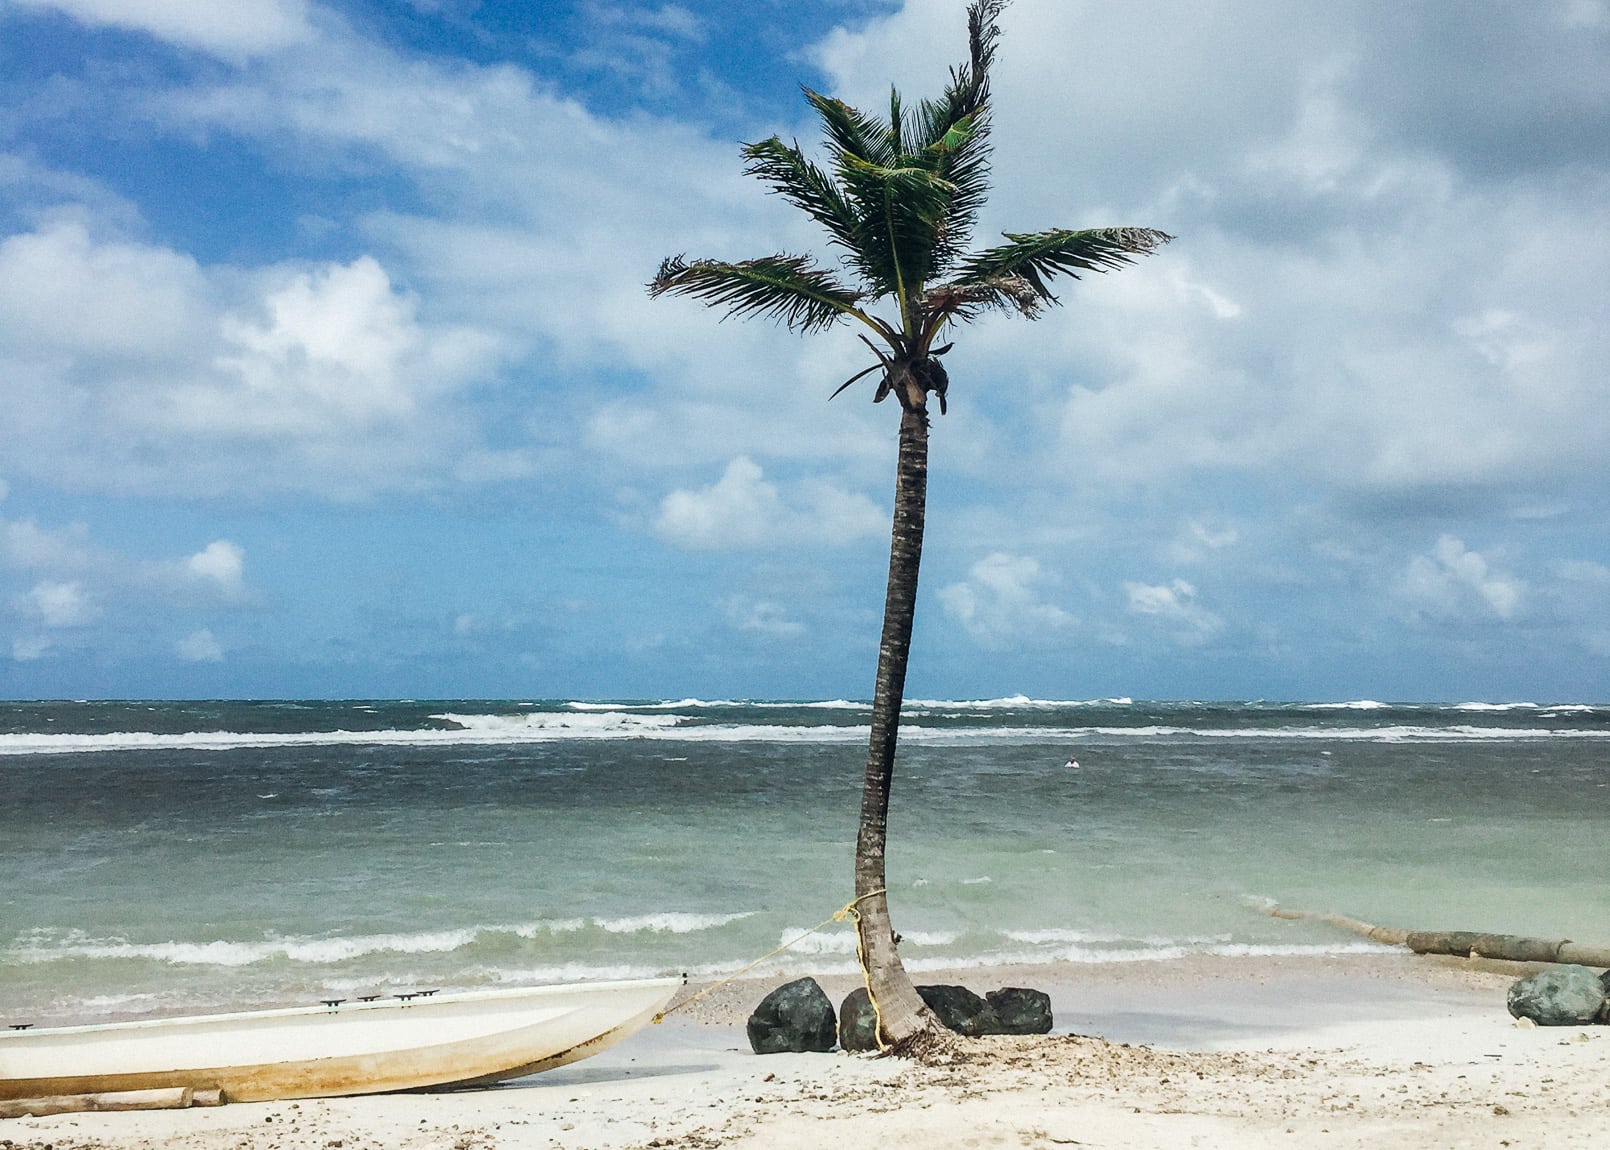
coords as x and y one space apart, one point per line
847 911
866 970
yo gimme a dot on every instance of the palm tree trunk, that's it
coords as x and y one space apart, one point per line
903 1015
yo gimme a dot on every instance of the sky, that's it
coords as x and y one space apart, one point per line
327 368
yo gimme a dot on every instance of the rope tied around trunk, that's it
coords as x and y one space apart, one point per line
846 913
852 913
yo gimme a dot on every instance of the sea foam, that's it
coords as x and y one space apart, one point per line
47 946
492 730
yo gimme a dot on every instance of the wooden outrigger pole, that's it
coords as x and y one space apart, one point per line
1463 943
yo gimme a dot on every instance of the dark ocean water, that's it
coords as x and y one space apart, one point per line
165 856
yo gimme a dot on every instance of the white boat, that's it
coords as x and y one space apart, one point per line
404 1042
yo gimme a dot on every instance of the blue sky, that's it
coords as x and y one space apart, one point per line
327 367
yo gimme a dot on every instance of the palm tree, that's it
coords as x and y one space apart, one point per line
899 200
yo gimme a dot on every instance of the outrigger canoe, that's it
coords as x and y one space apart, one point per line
405 1042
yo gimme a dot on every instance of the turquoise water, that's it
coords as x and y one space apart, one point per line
187 856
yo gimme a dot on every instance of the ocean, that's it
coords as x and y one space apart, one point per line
190 856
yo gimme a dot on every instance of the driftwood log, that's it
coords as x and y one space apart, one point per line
1465 943
169 1098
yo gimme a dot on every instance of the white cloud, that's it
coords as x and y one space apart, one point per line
199 647
640 45
58 604
128 367
1354 302
63 292
738 510
1385 302
1586 14
1579 598
670 19
1509 341
1200 295
234 29
27 648
744 510
542 229
221 564
1453 582
480 466
1583 572
506 622
1200 537
1175 604
999 601
330 354
26 546
345 316
1322 147
758 617
1299 329
75 582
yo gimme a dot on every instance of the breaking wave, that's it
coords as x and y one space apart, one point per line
49 946
542 728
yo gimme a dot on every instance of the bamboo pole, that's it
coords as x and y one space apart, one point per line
1387 934
166 1098
1463 943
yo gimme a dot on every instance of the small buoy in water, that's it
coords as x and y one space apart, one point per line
1072 764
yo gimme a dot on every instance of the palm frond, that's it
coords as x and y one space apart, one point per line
899 199
961 155
955 130
862 374
901 212
1039 256
1008 293
871 171
917 182
853 132
786 288
806 186
968 92
982 33
919 191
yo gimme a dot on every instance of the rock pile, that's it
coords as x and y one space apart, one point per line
799 1017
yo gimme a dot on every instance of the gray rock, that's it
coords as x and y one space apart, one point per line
1010 1010
858 1022
793 1018
1019 1010
961 1010
1604 1011
1559 996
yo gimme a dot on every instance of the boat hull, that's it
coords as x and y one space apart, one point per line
445 1040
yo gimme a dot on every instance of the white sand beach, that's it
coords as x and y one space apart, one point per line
1341 1051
